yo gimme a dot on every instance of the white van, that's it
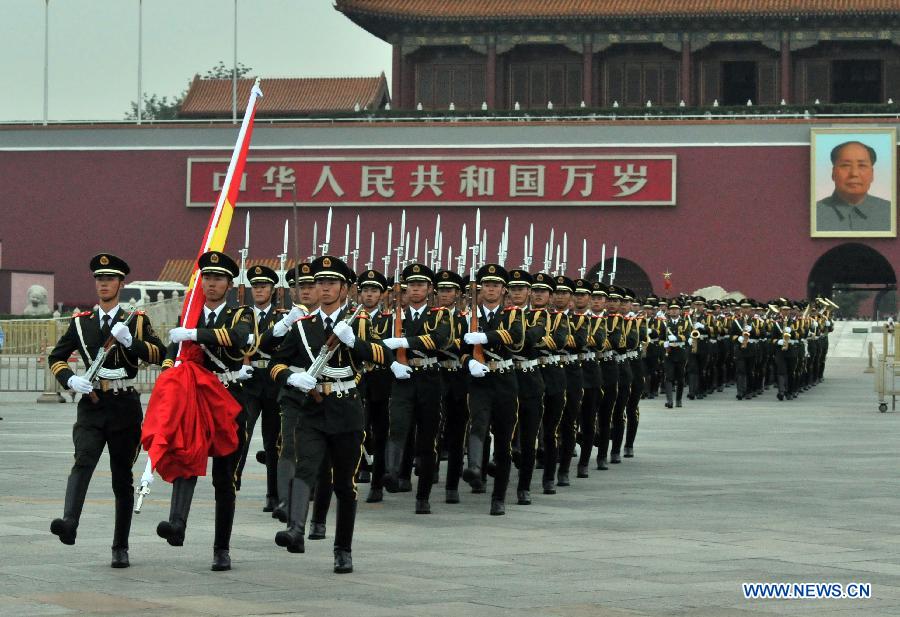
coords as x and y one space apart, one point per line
140 293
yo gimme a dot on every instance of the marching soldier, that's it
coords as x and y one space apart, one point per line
415 403
453 383
620 307
653 354
330 417
609 365
224 334
593 379
745 331
260 392
784 340
678 332
635 336
577 325
109 412
530 381
304 298
375 383
493 389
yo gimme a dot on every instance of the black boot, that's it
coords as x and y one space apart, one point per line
498 507
343 536
76 490
524 497
376 495
452 496
271 504
668 389
124 510
601 464
182 495
393 458
222 541
292 537
472 473
316 531
284 473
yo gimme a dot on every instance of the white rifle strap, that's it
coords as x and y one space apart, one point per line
214 359
87 354
309 352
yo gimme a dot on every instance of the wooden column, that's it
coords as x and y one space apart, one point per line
786 69
490 76
587 79
686 81
396 76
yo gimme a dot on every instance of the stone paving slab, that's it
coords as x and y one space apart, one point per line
721 492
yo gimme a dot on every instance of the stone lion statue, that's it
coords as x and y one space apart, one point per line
36 301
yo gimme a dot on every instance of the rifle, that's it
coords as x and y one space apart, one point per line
242 276
325 353
94 369
400 353
477 350
144 489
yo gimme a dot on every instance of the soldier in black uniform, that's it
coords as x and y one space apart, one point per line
331 420
745 333
593 378
654 352
304 298
609 366
416 394
260 392
620 308
576 324
552 374
109 412
530 381
375 383
676 337
493 389
225 333
453 382
627 426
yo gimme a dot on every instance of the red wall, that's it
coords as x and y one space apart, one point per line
742 219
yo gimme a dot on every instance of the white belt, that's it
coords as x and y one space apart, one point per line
113 385
608 355
632 354
422 362
621 357
703 337
754 340
722 338
793 342
587 356
341 387
547 361
526 365
259 363
568 358
499 365
228 377
675 344
450 365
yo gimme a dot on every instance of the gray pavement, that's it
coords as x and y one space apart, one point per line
721 492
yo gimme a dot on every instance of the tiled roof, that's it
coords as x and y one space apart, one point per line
179 270
464 10
286 97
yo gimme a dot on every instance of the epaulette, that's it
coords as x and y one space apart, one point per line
363 315
139 312
437 309
82 314
306 317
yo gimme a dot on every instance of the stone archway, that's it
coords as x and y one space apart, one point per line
629 274
859 275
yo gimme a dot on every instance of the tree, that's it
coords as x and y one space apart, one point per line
157 107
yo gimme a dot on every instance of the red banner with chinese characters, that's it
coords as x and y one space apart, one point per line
464 180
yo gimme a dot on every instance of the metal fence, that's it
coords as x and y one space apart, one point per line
28 373
30 336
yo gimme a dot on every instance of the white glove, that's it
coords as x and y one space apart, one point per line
302 381
476 368
630 315
80 384
284 325
121 333
741 339
701 326
747 328
673 338
399 342
475 338
245 373
660 314
179 334
344 332
666 345
787 330
828 322
400 371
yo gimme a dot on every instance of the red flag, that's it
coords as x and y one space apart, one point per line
190 415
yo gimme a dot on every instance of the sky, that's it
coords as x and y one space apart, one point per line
93 47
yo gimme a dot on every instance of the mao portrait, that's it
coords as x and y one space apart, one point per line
853 185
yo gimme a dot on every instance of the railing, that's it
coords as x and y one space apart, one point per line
30 336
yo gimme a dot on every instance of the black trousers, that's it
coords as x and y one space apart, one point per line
590 409
378 423
554 404
673 367
456 420
531 410
494 404
632 408
568 426
225 478
416 405
608 399
113 422
618 419
266 407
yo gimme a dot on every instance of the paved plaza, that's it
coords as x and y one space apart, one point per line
721 492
